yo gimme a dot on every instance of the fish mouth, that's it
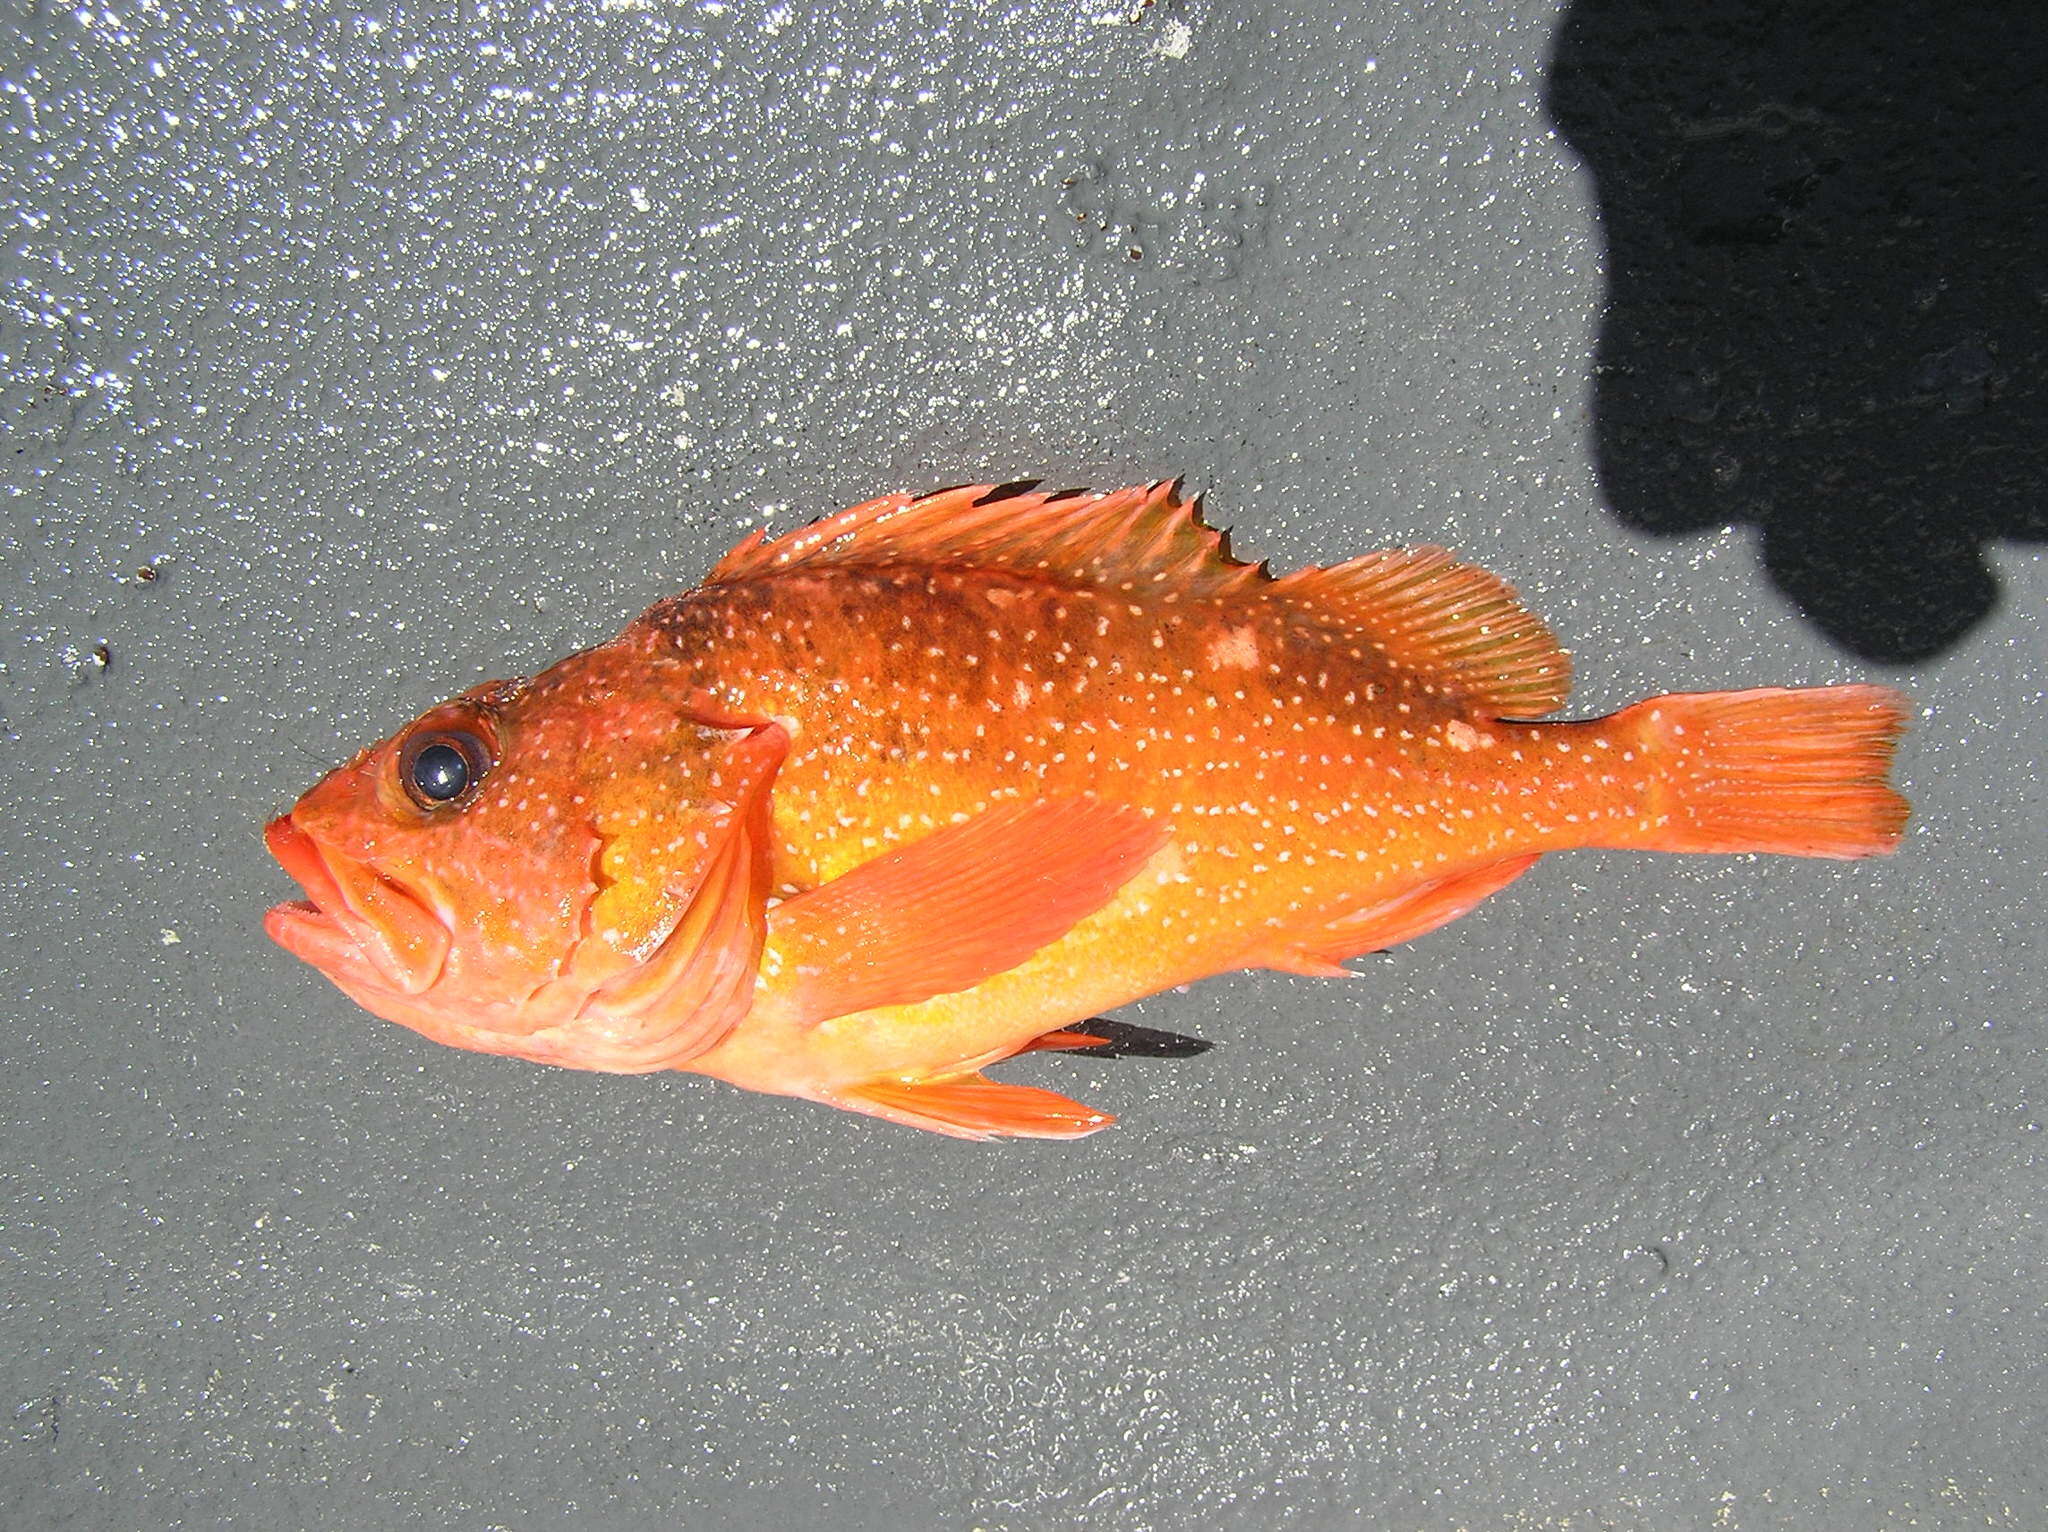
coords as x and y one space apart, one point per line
355 923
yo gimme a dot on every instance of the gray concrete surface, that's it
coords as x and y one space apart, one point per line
408 346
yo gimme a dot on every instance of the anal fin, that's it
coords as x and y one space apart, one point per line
974 1106
1319 950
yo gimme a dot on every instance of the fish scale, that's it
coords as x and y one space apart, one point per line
1288 802
1032 693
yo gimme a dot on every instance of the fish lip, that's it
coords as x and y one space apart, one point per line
303 929
299 854
353 917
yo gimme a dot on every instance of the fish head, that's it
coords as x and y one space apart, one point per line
570 869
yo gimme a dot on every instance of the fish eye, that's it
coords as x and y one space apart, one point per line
442 766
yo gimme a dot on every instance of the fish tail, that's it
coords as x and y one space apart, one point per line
1798 772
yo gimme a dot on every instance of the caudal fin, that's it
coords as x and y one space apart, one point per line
1801 772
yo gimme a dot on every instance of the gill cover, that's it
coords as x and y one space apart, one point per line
666 971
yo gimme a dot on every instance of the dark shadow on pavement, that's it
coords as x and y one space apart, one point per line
1827 228
1125 1040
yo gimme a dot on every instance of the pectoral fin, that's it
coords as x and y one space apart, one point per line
946 912
974 1106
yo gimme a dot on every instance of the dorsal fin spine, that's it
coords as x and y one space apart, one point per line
1424 612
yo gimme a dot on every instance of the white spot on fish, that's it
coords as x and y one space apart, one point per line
1237 647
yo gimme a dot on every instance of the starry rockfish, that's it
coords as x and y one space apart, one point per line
934 780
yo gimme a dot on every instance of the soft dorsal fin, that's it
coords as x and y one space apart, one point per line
1140 539
1459 630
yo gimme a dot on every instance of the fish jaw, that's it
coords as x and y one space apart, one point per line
341 938
354 920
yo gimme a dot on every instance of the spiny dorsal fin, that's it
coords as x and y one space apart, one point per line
1137 539
1460 630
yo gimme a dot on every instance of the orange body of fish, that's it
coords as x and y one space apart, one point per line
933 780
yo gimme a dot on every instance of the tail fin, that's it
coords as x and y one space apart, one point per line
1801 772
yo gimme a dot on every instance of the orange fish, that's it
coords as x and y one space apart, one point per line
936 779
